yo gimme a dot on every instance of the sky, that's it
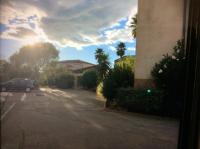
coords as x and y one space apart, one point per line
76 27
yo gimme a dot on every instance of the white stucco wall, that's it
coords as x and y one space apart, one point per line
160 25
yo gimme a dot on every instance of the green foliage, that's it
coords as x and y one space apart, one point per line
5 69
9 71
49 73
4 65
37 55
99 89
89 79
143 101
64 80
120 76
169 76
103 63
134 25
24 71
126 60
121 48
98 54
55 75
34 57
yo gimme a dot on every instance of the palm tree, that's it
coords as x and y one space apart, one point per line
103 63
134 25
104 66
121 47
98 53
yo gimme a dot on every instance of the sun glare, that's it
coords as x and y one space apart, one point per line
34 39
31 40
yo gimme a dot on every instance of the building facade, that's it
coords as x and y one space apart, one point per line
77 67
160 26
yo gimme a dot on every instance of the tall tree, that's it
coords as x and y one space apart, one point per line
50 72
98 54
121 48
134 25
35 57
4 70
103 63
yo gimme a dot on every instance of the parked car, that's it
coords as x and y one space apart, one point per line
35 84
18 84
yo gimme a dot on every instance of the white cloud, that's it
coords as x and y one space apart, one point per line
75 23
112 48
22 32
123 35
131 49
131 15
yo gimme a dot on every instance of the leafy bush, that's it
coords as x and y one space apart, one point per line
127 60
120 76
99 89
55 75
64 80
143 101
169 76
89 79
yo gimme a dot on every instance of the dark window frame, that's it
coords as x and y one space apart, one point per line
189 126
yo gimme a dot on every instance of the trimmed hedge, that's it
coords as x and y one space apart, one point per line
89 79
55 75
142 101
120 76
64 81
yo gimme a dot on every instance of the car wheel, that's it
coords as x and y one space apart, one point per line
28 89
3 89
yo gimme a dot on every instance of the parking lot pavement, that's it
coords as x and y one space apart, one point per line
76 119
8 101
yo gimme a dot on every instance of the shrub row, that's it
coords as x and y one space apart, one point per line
142 101
89 79
120 76
169 76
62 80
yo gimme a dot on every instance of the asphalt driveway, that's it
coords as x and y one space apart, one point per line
76 119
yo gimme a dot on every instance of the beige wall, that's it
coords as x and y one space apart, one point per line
160 25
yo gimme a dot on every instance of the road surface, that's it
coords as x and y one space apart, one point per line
76 119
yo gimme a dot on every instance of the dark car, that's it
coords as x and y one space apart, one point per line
35 84
18 84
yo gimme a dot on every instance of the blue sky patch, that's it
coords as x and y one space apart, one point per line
3 28
87 53
119 25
